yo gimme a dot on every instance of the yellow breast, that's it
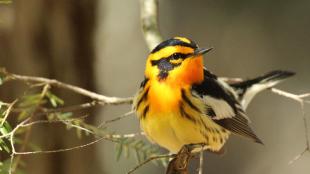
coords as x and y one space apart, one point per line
171 122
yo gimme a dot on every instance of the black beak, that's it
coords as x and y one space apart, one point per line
201 51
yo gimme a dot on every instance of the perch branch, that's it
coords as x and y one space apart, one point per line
98 97
180 163
301 100
116 119
200 171
149 160
149 21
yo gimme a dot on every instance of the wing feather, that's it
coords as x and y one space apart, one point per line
222 103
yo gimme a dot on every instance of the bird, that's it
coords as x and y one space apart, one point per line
181 102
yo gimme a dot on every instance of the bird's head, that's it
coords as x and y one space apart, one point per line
176 61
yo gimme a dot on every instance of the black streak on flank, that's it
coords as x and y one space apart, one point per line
187 100
173 42
143 83
145 111
207 138
221 140
143 98
186 115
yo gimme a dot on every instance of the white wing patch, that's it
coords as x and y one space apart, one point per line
221 108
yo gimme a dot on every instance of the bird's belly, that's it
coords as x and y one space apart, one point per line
158 129
172 131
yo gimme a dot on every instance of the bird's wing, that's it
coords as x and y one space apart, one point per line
222 106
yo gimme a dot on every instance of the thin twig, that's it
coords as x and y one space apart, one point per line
149 20
73 107
149 160
111 137
61 150
43 93
307 148
7 112
45 111
12 133
116 119
23 148
76 89
301 100
297 157
201 161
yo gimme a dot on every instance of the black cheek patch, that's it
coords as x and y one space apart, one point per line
164 67
162 75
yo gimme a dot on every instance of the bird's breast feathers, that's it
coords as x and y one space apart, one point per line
173 117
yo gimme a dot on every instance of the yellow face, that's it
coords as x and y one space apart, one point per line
177 61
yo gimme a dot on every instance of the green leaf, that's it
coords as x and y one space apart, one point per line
4 146
1 103
30 100
23 114
137 155
64 115
5 129
1 80
126 152
5 166
5 2
119 150
54 100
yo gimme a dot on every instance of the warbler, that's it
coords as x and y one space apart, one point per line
181 102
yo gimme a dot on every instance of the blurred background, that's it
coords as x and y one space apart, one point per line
98 45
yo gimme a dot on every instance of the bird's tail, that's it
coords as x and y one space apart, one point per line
247 89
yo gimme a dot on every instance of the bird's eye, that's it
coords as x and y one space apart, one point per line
175 56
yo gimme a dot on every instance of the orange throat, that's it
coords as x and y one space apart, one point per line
165 95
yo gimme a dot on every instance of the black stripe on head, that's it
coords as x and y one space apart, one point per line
165 60
174 42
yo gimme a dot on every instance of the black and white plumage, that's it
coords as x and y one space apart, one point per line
246 90
226 103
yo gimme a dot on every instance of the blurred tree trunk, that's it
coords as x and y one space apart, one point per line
53 39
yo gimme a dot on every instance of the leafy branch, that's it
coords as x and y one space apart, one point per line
30 107
6 76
